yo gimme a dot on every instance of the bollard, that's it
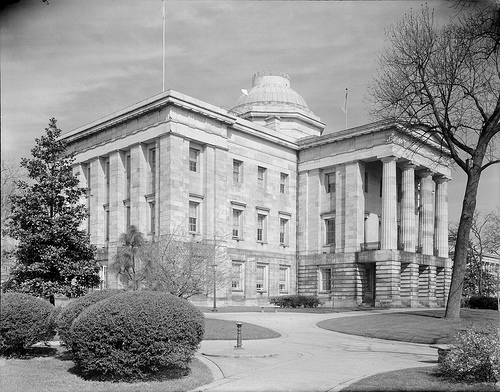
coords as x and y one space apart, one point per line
238 336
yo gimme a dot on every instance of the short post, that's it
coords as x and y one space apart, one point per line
238 336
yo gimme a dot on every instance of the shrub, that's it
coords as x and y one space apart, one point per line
483 302
476 357
24 321
133 335
71 311
295 301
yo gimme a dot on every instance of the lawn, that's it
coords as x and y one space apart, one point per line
53 370
226 330
416 379
426 326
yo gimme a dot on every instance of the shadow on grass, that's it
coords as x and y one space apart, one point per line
165 374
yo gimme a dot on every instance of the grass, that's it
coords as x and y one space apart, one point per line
415 379
57 374
427 326
50 369
226 330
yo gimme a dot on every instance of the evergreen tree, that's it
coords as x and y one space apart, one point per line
54 255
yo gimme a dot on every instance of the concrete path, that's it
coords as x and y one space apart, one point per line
308 358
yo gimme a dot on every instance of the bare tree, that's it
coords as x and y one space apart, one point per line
445 82
127 261
185 266
484 241
11 172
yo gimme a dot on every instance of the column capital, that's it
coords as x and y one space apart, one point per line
387 159
425 173
440 179
408 165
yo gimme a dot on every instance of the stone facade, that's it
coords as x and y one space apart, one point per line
355 217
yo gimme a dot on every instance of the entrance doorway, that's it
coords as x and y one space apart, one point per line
369 285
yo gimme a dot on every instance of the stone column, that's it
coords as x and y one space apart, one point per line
389 235
354 206
409 285
441 216
426 220
408 208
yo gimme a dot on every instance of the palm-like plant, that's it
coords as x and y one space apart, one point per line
127 258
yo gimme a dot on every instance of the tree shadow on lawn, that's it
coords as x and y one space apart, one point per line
424 326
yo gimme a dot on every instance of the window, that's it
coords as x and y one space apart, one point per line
261 278
106 222
261 177
193 159
127 216
237 276
152 217
399 192
237 165
283 182
261 228
283 279
152 168
128 175
330 182
325 279
193 217
366 182
283 231
330 231
381 186
237 227
107 175
103 276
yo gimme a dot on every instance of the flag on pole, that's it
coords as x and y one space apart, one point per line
344 106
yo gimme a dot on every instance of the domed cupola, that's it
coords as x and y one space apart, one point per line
271 102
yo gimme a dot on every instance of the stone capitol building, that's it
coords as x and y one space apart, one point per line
358 216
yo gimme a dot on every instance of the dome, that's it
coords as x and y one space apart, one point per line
270 91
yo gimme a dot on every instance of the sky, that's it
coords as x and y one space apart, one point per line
80 60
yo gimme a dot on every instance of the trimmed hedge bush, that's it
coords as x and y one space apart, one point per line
71 311
133 335
24 321
295 301
483 302
475 359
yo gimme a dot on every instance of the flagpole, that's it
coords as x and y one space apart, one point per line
344 107
163 57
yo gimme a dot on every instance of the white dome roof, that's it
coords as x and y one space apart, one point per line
270 91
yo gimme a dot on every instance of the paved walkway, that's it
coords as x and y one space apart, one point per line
308 358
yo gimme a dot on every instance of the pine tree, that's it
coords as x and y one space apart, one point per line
54 255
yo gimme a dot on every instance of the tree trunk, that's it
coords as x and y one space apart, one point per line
461 248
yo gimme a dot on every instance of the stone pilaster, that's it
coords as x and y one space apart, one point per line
389 235
426 227
97 201
340 203
388 283
441 216
116 196
138 188
409 285
408 208
354 206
